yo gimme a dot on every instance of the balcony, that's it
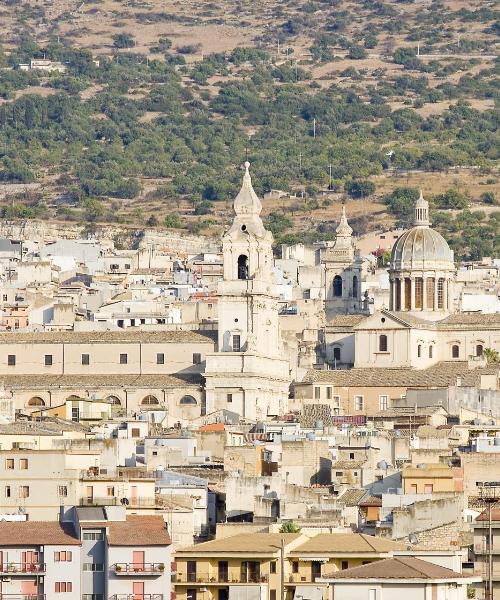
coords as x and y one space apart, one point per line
136 597
146 502
145 570
22 596
22 569
214 579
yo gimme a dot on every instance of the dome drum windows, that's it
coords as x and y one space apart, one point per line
187 400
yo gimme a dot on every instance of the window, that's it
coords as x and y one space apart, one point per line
229 397
196 358
23 464
110 490
85 359
382 343
344 565
94 536
336 353
359 402
407 304
93 566
383 402
150 400
329 392
455 351
9 464
92 596
63 587
430 288
191 570
419 292
187 400
5 297
295 567
479 350
351 455
8 491
123 359
337 286
419 351
355 287
272 567
336 401
64 556
48 360
127 266
428 488
62 491
440 292
272 594
223 570
11 360
317 393
160 358
242 266
236 343
24 491
431 351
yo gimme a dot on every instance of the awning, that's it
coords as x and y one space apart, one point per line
308 592
248 592
321 559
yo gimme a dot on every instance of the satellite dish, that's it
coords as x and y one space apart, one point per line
125 501
413 539
382 465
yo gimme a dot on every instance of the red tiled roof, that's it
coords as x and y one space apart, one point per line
137 530
37 533
213 427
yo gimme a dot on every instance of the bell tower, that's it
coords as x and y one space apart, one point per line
248 374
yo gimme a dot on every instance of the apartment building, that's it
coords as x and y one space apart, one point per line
245 565
91 554
39 560
482 546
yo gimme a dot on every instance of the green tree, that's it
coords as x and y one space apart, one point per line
491 355
359 188
278 223
123 40
357 52
488 198
401 202
289 527
173 221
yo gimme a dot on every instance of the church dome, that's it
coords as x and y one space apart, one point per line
421 247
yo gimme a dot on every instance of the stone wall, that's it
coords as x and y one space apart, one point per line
425 515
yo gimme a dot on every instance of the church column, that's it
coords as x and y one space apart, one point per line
391 295
402 286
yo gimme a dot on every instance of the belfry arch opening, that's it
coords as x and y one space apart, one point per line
242 266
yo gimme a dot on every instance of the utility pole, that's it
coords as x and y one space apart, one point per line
330 174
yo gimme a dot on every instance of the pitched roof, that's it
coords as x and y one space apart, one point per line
107 337
257 542
397 568
348 464
347 543
352 497
137 530
495 515
342 322
212 427
37 533
442 374
100 381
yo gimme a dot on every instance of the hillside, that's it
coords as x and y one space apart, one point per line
162 101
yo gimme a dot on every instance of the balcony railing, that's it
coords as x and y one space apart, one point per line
21 568
134 597
114 501
22 596
207 578
136 569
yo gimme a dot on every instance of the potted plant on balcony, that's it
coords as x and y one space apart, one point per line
12 568
118 568
161 567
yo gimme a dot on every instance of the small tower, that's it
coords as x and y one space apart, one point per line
343 270
249 374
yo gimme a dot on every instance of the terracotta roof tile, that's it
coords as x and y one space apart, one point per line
347 542
38 533
137 530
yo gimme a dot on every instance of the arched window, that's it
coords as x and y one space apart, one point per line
431 351
242 266
150 401
382 343
114 400
419 351
187 400
337 286
355 286
36 401
479 350
455 351
336 353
